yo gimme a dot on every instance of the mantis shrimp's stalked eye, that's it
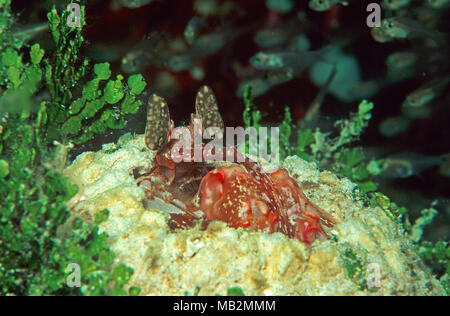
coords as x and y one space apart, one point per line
207 110
159 124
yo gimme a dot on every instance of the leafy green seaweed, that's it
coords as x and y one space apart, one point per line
39 237
37 240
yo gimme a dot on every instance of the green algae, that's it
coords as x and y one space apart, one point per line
39 239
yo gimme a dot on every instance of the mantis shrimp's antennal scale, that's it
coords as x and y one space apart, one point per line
159 124
207 110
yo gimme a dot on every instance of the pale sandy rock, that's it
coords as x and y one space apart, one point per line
171 262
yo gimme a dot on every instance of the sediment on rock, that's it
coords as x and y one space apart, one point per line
365 245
